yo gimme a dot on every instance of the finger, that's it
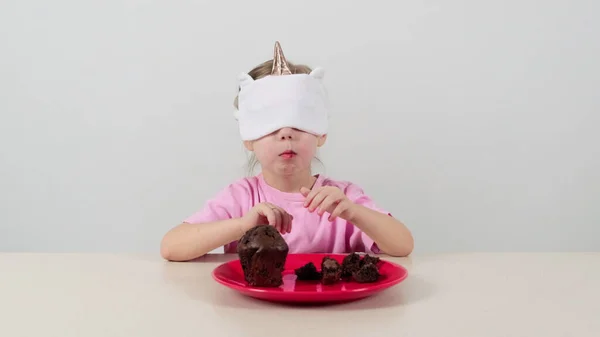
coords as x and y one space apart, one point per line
310 196
328 204
291 223
339 209
281 216
269 214
279 220
305 191
287 222
317 200
280 213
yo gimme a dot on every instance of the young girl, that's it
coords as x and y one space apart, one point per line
283 119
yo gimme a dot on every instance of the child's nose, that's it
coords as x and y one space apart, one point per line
286 133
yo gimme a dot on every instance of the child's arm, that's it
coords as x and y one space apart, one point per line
189 241
391 235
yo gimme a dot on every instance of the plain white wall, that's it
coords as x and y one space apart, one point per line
476 123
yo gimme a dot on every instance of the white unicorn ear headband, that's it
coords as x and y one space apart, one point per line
282 99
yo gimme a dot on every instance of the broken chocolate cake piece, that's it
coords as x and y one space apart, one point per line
367 273
350 264
308 272
263 252
331 270
369 259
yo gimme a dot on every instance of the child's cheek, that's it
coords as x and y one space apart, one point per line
305 151
273 150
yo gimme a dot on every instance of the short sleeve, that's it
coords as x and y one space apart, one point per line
229 203
357 195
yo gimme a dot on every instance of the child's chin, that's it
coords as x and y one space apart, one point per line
288 169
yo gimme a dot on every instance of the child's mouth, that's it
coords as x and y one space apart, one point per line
288 154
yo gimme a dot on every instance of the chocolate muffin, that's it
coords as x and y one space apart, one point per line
350 264
331 270
262 252
308 272
367 273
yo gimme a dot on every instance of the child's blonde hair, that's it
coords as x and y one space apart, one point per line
262 70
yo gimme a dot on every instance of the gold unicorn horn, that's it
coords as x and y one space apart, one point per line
280 65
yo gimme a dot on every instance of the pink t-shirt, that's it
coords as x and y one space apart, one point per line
311 233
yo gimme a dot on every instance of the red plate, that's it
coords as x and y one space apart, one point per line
230 274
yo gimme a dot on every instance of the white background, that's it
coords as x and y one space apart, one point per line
476 123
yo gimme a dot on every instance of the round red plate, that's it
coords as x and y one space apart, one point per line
230 274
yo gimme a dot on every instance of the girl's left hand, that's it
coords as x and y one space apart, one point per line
328 199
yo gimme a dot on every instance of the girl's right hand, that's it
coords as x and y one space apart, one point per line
267 213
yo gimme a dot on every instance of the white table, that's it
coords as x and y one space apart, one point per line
445 295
